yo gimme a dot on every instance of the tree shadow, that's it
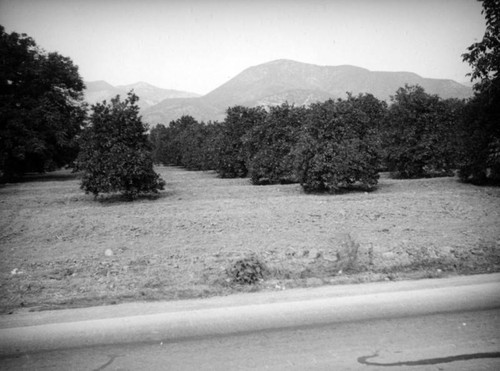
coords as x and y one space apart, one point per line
52 176
119 198
354 188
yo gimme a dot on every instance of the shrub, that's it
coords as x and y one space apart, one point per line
247 271
339 145
115 154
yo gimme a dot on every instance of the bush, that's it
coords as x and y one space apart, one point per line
115 154
339 145
247 271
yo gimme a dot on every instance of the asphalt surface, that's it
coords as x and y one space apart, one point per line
450 321
448 341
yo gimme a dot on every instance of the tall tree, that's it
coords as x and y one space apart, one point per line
41 107
481 126
115 153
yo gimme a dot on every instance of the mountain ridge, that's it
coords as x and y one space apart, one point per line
285 80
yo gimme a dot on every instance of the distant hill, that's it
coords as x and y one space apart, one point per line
300 83
149 95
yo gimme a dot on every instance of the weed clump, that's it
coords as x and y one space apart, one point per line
247 271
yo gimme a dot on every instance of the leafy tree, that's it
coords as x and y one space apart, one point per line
420 133
270 145
207 154
231 156
157 138
41 107
115 153
192 141
340 145
178 136
480 162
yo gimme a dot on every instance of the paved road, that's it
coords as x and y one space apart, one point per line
450 324
456 341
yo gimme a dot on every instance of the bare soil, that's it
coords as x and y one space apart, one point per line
56 242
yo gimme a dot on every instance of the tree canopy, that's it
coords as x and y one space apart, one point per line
420 133
340 146
270 145
41 107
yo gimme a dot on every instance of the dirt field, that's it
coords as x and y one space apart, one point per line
54 238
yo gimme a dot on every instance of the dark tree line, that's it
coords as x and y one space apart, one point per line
327 146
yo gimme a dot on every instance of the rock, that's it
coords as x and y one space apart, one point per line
108 252
332 259
314 281
314 253
389 255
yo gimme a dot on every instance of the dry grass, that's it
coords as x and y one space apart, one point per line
53 238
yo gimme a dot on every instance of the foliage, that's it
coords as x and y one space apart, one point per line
480 160
158 139
420 134
270 144
198 151
484 56
187 143
247 271
339 145
480 145
115 153
231 155
41 107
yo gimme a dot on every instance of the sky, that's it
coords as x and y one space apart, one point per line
197 45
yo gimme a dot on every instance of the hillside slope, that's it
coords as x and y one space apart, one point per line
299 83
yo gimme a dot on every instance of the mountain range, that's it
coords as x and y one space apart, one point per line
274 83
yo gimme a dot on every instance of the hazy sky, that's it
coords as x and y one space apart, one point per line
196 45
